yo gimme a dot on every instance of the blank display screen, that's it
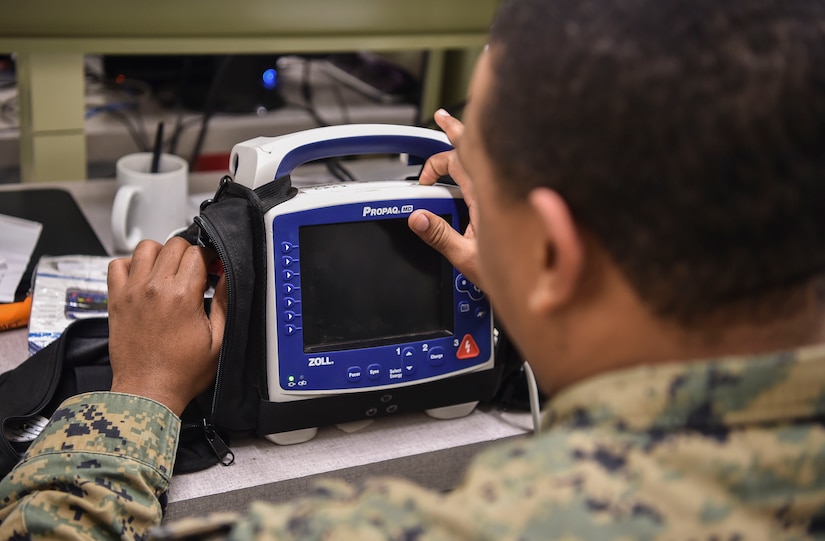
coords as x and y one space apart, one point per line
372 283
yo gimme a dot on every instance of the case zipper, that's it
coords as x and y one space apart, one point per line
206 227
211 240
219 447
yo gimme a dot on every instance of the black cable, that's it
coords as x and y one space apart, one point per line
339 171
118 115
180 127
177 130
133 90
306 93
141 125
333 164
136 137
209 107
339 97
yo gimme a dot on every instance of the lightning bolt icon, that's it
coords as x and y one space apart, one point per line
468 348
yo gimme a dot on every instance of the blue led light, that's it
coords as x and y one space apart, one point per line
269 78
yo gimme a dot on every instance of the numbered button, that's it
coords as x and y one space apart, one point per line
436 356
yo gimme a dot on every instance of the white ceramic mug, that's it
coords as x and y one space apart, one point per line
148 205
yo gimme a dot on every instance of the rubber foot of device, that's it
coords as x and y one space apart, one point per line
292 437
452 412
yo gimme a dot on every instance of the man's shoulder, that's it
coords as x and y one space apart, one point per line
596 482
719 463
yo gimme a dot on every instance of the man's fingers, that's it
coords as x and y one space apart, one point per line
193 267
450 124
434 168
171 256
144 256
118 273
447 163
217 314
436 232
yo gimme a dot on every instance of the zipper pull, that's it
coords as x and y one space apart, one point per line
225 180
225 455
202 239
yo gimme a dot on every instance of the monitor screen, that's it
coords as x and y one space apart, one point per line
371 283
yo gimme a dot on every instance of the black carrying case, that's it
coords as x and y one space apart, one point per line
78 361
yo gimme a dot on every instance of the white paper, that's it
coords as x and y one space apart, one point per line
18 237
56 280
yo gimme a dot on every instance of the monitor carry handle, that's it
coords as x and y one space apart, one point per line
258 161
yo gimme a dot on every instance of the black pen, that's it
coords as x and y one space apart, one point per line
156 151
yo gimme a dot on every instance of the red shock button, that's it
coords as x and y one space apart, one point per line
468 349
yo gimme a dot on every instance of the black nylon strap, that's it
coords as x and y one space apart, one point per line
276 192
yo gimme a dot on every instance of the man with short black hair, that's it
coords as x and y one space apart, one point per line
647 200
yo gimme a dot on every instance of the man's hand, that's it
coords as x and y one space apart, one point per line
162 344
459 250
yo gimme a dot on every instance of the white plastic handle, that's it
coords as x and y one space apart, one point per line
263 159
125 241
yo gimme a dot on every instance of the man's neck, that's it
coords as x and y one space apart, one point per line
620 331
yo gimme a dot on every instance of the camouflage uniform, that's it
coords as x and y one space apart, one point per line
98 471
727 449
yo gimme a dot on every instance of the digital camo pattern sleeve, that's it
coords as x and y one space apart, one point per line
98 471
728 449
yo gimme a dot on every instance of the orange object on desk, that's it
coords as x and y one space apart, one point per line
15 314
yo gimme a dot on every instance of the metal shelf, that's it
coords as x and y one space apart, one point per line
51 37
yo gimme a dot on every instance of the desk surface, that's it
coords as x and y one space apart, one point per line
431 452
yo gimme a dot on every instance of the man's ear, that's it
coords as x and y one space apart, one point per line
561 252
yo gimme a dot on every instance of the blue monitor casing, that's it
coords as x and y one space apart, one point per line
359 302
363 318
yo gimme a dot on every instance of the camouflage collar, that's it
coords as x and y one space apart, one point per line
714 394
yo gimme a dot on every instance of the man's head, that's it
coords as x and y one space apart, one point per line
680 145
687 137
